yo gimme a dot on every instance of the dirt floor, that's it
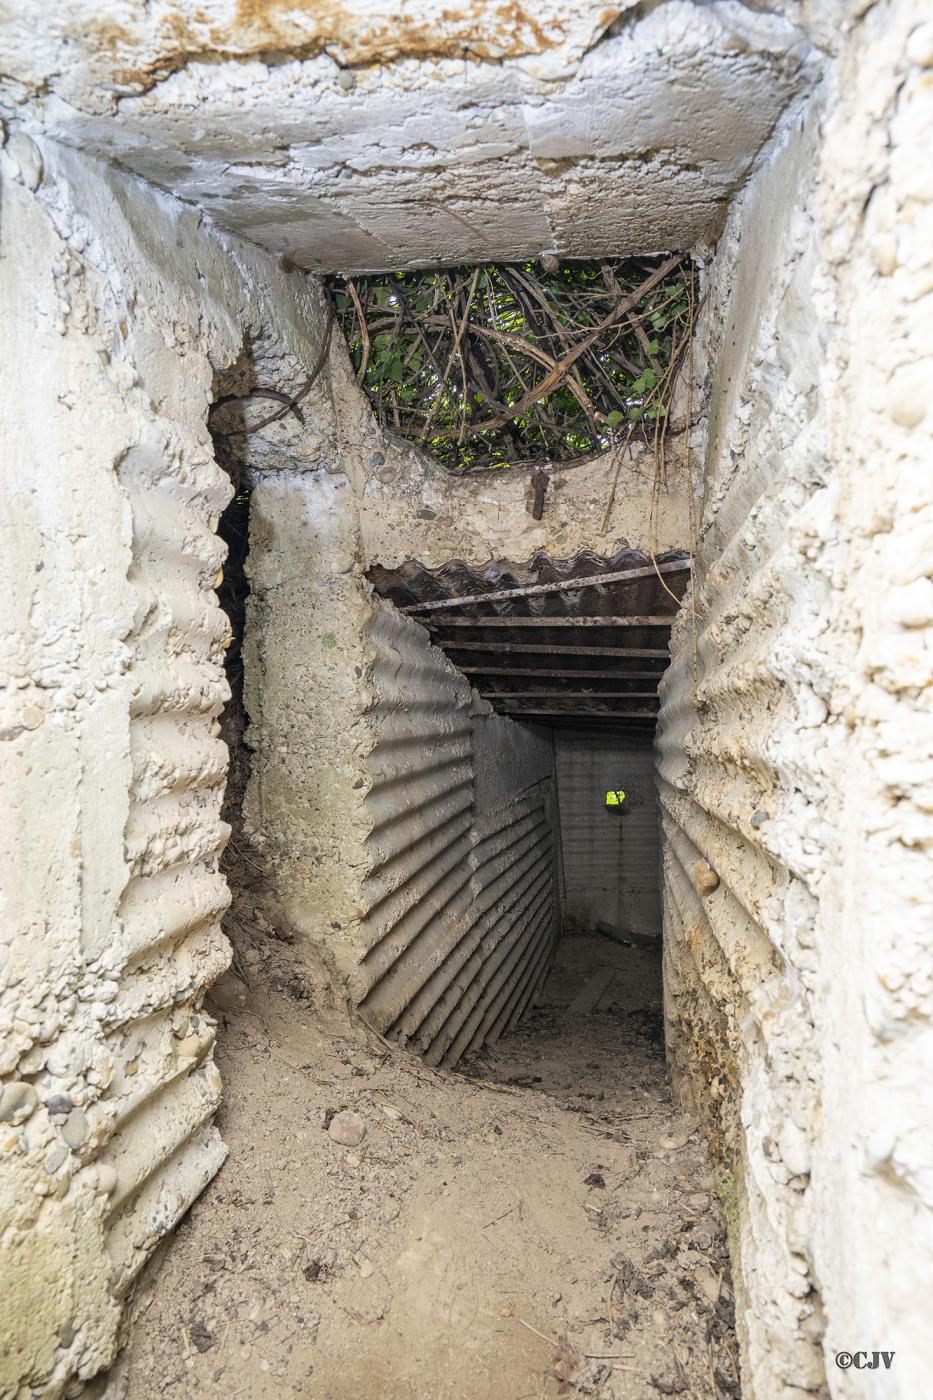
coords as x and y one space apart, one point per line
538 1225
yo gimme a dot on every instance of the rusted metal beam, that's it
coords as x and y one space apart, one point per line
534 590
655 620
555 649
536 672
587 724
598 714
558 694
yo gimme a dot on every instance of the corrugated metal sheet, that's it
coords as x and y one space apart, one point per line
460 909
601 657
611 856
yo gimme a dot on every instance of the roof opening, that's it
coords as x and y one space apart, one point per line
504 365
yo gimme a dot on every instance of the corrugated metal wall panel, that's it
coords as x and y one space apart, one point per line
460 905
610 855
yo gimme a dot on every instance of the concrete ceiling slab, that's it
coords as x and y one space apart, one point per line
377 140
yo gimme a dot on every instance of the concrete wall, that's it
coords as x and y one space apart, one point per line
117 309
794 737
383 136
610 855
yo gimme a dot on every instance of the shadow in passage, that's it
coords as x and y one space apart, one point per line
596 1036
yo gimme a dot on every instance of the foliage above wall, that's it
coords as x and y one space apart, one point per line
519 364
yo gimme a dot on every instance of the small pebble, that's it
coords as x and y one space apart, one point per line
708 1284
60 1103
347 1128
17 1101
228 993
76 1128
55 1159
676 1141
106 1178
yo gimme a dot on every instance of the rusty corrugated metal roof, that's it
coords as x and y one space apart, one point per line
534 645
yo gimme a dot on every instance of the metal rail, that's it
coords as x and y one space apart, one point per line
655 620
534 590
559 694
535 672
558 649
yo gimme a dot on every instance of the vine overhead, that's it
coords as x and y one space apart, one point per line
520 364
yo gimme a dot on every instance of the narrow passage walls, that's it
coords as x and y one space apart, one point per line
113 685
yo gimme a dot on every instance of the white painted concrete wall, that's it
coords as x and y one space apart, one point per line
116 309
379 135
794 759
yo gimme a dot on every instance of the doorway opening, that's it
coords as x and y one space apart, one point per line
569 653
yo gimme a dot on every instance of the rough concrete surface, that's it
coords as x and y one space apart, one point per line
113 773
404 137
794 735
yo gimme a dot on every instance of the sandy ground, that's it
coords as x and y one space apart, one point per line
538 1225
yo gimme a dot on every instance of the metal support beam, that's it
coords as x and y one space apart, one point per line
594 714
534 590
655 620
549 674
555 649
592 724
557 694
